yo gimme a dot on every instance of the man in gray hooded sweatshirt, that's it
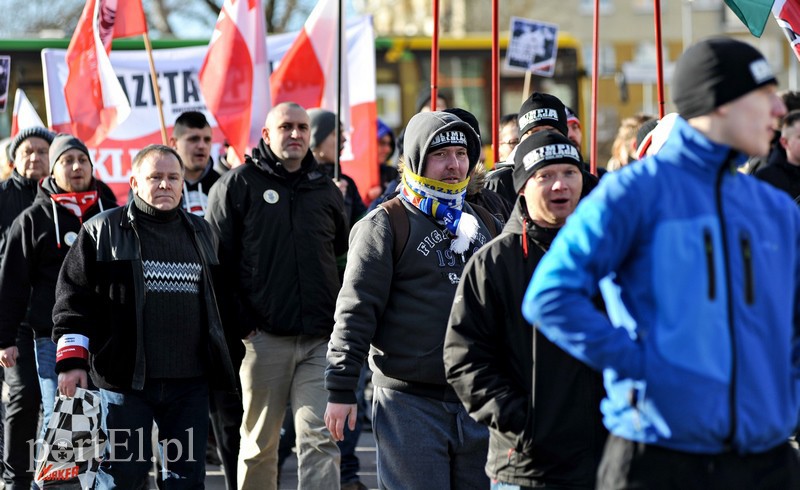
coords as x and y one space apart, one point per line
395 303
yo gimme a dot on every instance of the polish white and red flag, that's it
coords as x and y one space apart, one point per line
307 75
787 15
234 77
308 71
24 115
95 99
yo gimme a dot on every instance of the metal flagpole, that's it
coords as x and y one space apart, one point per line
659 57
338 127
435 57
595 75
495 82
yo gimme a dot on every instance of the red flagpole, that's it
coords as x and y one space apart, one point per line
495 82
435 58
595 78
659 60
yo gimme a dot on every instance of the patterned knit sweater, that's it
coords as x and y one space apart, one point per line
174 323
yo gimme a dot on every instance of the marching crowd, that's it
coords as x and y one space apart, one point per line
531 328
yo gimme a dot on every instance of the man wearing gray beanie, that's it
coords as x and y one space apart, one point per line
699 266
29 153
394 304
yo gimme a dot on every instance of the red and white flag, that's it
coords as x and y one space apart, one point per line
94 96
787 15
235 73
307 73
24 115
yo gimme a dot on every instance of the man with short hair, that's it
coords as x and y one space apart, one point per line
35 249
785 175
29 155
281 226
394 304
153 359
574 132
508 138
551 437
700 349
191 138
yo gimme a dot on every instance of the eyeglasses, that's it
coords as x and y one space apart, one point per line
510 142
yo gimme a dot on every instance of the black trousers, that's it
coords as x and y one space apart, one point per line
226 419
633 465
22 415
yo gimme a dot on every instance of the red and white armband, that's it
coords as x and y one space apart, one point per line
72 345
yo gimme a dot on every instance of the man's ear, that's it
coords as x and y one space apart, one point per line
265 134
173 142
784 142
133 183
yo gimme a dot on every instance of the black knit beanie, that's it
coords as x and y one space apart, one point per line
63 143
34 132
543 110
540 150
716 71
322 124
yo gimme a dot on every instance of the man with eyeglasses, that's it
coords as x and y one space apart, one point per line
508 138
29 152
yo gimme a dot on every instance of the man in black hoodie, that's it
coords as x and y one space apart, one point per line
29 153
36 246
281 225
541 404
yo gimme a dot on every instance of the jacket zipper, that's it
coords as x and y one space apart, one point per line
728 289
709 249
747 257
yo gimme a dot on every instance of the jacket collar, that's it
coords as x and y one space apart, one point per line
267 161
688 148
128 219
23 182
539 234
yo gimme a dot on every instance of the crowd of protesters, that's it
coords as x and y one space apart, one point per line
533 327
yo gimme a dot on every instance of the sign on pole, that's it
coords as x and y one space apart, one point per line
532 46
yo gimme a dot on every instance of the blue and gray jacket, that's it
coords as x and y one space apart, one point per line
705 260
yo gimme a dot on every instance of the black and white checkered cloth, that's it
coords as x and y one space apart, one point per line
73 443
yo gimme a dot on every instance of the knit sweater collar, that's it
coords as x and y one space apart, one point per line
151 213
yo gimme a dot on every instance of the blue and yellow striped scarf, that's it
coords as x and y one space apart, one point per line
443 202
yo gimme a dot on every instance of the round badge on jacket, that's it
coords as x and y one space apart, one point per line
271 196
70 237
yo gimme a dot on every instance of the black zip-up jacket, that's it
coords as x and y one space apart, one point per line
16 194
495 363
36 246
100 295
280 234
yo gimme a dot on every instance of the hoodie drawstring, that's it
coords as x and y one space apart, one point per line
55 219
524 238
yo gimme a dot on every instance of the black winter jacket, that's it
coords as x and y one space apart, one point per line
16 194
542 405
279 235
36 246
100 293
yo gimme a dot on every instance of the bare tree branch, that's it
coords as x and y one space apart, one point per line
160 13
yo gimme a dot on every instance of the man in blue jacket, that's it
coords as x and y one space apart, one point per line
701 370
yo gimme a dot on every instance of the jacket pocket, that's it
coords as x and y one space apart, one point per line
708 247
747 263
